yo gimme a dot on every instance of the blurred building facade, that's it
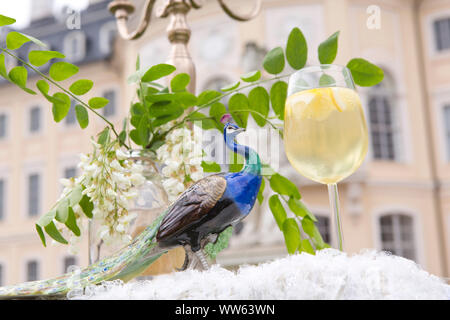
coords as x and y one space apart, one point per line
399 200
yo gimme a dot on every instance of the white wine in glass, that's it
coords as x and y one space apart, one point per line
325 132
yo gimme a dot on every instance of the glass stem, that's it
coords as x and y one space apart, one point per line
334 204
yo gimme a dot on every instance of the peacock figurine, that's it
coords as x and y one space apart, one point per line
199 214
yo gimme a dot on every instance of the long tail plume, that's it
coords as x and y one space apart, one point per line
127 263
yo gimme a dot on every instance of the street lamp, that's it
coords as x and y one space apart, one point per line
178 31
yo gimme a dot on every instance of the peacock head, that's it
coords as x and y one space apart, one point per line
230 131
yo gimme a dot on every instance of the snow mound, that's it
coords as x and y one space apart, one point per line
330 274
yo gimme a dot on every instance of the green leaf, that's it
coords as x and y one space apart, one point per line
53 232
187 99
210 166
207 96
277 210
278 95
217 110
82 116
135 77
158 71
291 234
61 106
166 108
62 211
258 100
41 57
260 196
202 121
251 76
236 163
98 102
160 97
4 20
180 82
305 246
75 195
14 40
300 209
328 49
296 49
18 75
46 218
43 87
267 170
122 136
212 249
138 62
41 234
103 137
3 71
274 61
237 103
137 109
231 87
134 136
144 133
71 223
326 80
87 206
81 87
311 230
36 41
283 185
364 73
62 70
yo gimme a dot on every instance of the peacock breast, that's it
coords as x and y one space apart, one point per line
243 189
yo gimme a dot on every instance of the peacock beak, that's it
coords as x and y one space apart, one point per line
239 130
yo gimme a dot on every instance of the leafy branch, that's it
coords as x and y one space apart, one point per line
161 109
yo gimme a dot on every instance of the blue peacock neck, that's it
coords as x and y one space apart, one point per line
252 160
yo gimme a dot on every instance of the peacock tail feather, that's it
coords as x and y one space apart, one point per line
125 264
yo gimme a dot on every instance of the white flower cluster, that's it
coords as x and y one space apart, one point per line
181 155
110 180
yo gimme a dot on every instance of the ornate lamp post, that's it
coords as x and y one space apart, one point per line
178 31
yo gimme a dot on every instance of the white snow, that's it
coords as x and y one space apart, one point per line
330 274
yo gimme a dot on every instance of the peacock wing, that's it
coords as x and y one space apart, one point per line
192 205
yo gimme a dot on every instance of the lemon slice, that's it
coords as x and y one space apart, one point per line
345 99
336 98
319 107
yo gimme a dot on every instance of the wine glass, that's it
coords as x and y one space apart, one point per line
325 131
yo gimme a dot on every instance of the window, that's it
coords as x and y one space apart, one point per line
108 33
110 109
33 194
447 129
71 117
3 125
2 198
32 270
383 129
442 34
68 262
35 119
323 224
70 172
397 235
75 46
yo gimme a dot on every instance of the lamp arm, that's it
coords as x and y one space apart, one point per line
244 17
122 9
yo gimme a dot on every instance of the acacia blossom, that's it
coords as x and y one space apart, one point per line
181 155
110 180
